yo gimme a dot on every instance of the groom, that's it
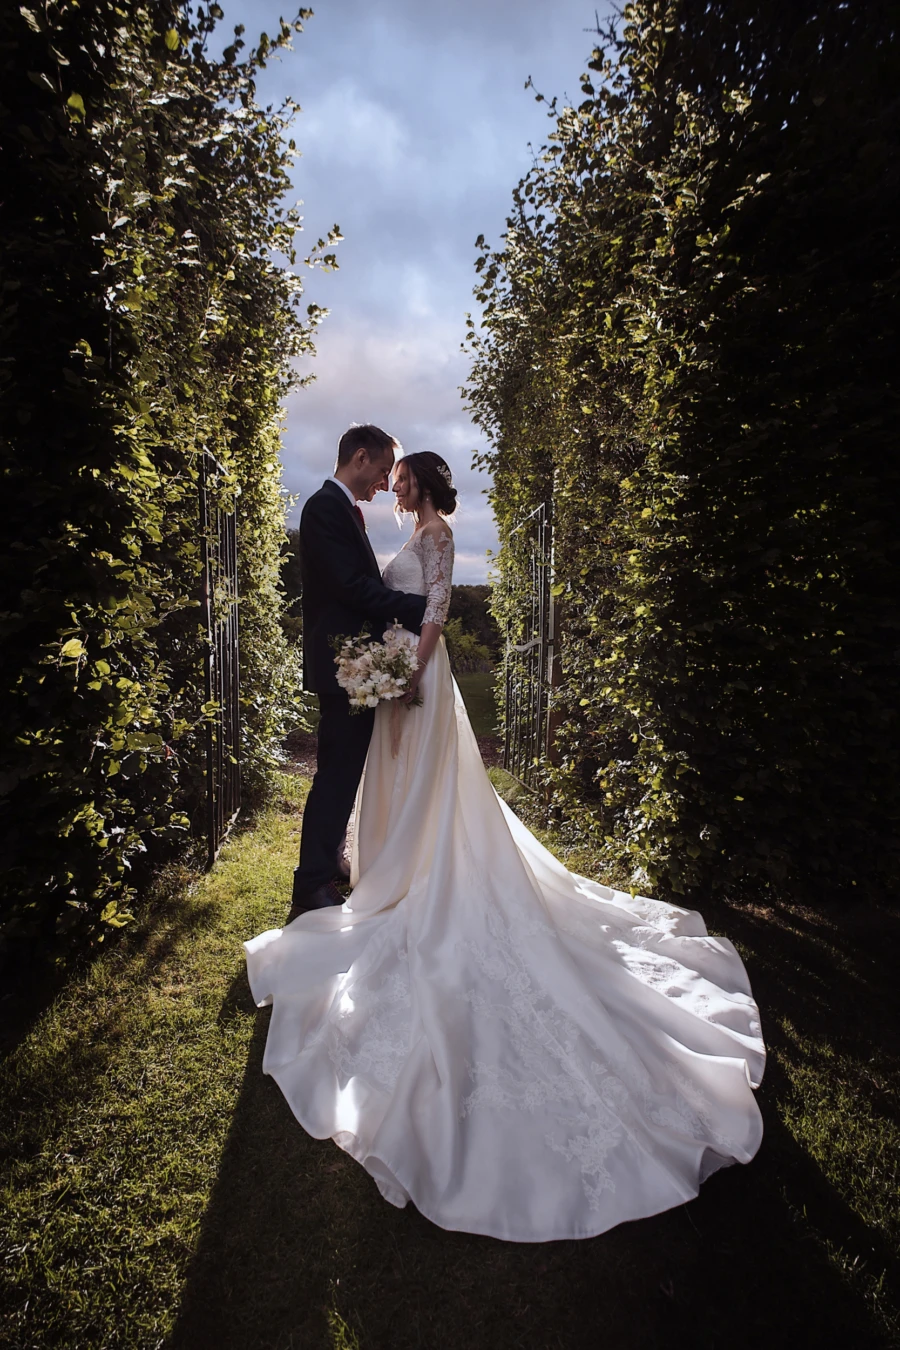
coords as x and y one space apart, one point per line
343 594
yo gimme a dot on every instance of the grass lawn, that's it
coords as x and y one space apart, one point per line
478 695
158 1193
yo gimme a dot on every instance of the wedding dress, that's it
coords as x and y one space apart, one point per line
520 1051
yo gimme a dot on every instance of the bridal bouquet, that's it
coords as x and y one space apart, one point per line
374 672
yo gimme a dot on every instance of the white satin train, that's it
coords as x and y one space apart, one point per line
521 1052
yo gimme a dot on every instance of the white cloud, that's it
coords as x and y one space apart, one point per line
405 380
415 129
350 130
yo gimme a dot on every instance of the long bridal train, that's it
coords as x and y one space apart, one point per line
519 1051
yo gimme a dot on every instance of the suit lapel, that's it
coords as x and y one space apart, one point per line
358 527
369 549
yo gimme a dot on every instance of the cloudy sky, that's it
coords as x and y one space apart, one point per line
415 129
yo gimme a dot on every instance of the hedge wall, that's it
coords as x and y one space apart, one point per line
143 317
689 347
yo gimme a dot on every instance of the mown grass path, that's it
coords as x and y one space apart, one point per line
158 1193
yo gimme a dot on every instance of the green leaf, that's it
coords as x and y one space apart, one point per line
72 650
144 740
173 41
114 916
75 104
41 80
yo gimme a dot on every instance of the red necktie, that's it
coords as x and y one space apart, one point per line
360 517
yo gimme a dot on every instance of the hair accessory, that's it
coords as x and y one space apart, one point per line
445 474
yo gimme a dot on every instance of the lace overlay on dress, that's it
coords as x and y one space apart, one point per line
424 566
547 1067
554 1065
367 1029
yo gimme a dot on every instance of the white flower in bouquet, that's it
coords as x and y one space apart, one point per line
375 672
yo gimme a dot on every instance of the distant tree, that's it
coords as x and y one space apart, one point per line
471 606
466 653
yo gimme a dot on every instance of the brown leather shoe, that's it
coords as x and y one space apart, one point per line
342 867
323 897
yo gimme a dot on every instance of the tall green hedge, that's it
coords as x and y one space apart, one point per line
145 316
690 349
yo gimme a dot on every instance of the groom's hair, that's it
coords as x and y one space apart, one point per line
373 440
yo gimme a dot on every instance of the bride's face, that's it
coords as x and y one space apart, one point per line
405 488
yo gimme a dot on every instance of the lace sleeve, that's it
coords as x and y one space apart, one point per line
437 564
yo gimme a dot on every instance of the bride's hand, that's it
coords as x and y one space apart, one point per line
413 685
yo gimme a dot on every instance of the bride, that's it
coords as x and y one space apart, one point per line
521 1052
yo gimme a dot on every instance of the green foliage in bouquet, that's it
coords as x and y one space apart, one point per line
689 350
148 310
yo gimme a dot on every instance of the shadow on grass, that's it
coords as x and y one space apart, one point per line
167 907
72 1060
297 1250
826 983
31 983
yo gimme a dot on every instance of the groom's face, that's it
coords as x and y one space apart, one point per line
377 475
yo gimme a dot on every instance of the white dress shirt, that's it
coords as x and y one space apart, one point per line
344 488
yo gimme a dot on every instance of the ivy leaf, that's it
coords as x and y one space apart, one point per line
114 916
41 80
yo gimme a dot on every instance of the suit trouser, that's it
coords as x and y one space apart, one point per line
343 743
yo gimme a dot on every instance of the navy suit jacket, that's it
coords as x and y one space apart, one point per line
342 590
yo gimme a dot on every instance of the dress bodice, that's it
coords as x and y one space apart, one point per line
424 566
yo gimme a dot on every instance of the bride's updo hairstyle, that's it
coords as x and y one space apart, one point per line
433 479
